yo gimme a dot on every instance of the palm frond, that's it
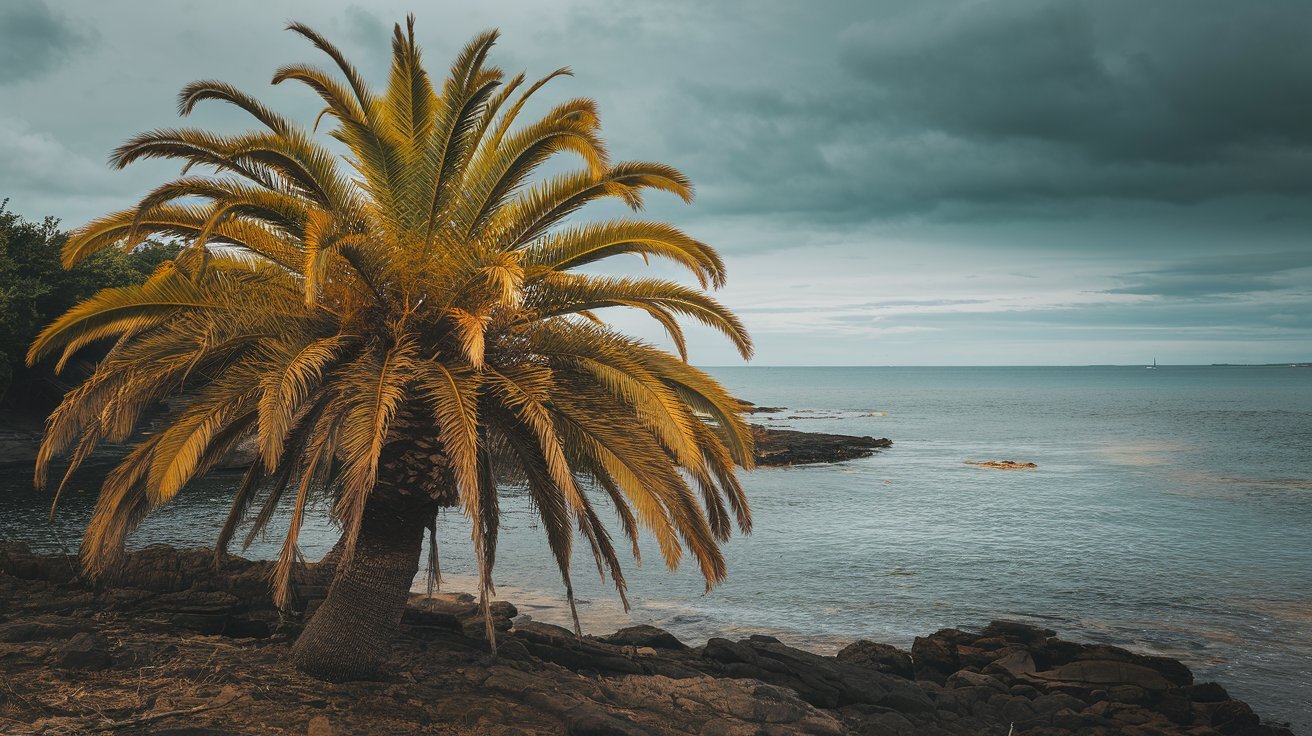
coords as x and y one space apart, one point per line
404 291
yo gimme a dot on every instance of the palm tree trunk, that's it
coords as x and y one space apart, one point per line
349 636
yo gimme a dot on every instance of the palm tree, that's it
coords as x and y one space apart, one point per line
399 334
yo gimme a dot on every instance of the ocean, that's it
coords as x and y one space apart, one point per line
1171 513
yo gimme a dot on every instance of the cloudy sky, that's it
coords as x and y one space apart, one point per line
892 183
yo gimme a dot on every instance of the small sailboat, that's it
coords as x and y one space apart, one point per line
1153 366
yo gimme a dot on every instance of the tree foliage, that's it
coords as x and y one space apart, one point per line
35 288
423 282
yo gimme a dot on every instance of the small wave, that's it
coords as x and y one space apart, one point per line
1295 483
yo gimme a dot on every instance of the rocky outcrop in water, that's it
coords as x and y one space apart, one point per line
1002 464
174 646
778 447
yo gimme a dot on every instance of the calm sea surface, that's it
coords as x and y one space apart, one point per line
1171 512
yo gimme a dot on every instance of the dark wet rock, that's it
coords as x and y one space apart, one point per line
1013 661
748 407
1105 672
822 681
457 611
1002 464
1053 702
592 720
879 657
83 651
1127 694
1017 631
1207 692
935 656
778 447
967 678
1010 677
645 636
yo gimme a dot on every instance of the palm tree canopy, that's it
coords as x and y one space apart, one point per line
424 281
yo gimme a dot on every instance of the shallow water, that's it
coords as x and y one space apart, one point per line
1171 512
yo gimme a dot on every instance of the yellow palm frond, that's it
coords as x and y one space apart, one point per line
403 284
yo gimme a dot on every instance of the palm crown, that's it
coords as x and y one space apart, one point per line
417 296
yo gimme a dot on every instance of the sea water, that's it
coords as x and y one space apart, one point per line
1171 513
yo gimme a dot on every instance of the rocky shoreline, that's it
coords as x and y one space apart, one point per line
172 646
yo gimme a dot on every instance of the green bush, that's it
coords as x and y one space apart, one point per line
35 289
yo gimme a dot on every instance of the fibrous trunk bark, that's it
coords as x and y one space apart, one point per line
349 637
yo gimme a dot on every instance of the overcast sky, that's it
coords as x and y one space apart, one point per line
891 183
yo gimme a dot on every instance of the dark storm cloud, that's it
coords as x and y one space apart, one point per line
957 181
1025 104
1112 81
1222 275
33 40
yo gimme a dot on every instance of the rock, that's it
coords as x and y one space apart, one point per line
645 636
1016 631
724 706
747 407
1232 717
559 645
966 678
543 633
547 680
935 656
879 657
84 651
1072 720
589 720
1025 691
1002 464
1207 692
1018 709
1173 670
1127 694
319 726
821 681
1057 701
419 616
1106 672
1175 706
973 657
779 447
1012 662
889 724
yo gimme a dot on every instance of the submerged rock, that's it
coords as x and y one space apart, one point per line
1003 464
